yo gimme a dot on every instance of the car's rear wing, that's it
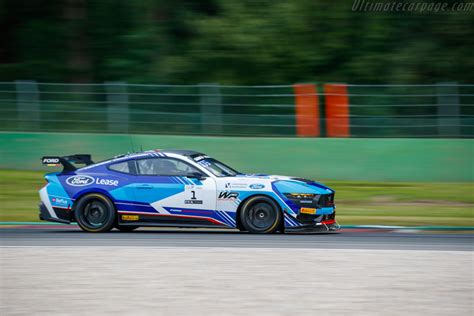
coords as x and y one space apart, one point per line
67 161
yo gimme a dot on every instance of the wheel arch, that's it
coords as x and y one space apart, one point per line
239 208
81 194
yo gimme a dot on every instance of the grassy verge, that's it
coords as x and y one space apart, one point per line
446 204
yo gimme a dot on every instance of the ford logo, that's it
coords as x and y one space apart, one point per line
257 186
79 181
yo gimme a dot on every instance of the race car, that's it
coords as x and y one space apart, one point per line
180 188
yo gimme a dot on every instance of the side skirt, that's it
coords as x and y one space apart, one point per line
178 225
167 220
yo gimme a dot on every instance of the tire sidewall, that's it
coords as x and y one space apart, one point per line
79 208
248 205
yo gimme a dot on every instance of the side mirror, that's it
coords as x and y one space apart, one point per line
196 175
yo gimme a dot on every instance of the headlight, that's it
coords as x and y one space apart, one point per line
300 196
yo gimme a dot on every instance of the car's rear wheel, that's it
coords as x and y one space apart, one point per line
260 215
95 213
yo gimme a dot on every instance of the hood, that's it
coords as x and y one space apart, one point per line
286 184
262 177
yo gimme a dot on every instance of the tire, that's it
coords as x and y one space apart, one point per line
127 228
95 213
260 215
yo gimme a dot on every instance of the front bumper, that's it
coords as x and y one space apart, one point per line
323 227
318 222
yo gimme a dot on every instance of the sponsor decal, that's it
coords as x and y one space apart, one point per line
229 185
130 217
53 161
199 158
79 181
256 186
228 195
59 201
106 182
192 201
308 210
204 163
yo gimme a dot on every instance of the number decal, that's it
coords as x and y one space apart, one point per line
193 199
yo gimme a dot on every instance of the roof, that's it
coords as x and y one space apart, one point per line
145 154
188 153
152 153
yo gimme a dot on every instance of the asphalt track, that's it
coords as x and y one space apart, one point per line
57 270
71 236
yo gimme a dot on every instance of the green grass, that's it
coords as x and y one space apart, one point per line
383 203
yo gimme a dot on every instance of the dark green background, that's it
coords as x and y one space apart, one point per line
231 42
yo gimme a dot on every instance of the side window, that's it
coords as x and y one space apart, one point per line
120 167
164 167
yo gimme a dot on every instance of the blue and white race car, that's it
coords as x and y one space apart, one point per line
180 188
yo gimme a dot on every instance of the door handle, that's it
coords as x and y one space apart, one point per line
145 186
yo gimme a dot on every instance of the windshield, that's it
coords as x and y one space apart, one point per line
216 167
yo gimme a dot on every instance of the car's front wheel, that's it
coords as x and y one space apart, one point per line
260 215
95 213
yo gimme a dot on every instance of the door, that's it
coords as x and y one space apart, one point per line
175 190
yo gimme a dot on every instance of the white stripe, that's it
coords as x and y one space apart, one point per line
228 217
223 217
292 220
295 223
176 179
284 203
186 180
45 199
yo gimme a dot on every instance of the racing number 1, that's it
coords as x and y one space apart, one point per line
193 195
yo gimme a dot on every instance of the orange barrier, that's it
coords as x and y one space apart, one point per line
307 110
337 110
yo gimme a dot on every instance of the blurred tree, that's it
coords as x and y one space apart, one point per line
77 54
230 41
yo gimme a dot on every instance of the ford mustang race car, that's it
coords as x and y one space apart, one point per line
180 188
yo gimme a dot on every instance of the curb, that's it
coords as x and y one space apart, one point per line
421 228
